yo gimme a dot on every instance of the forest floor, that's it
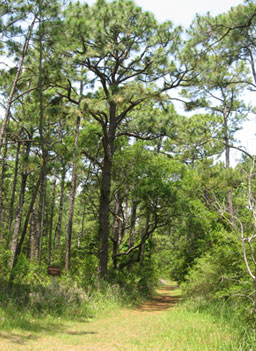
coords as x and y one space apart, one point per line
158 325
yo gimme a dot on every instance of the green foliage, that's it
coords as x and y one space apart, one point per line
218 272
84 268
136 281
31 296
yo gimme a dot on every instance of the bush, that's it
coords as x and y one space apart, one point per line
219 272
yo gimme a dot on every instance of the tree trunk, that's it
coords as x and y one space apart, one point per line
133 222
108 145
81 234
126 214
51 217
227 164
33 235
72 198
104 216
2 180
41 135
23 234
40 220
117 228
143 240
59 223
14 187
18 218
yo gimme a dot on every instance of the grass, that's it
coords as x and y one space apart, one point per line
174 330
230 315
180 328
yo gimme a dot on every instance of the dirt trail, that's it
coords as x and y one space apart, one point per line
164 299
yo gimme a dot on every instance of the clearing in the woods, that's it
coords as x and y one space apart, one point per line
157 325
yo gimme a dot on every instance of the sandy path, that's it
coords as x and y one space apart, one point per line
164 299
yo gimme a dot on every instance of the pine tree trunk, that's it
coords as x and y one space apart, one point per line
108 144
117 228
143 241
104 217
126 214
18 218
42 139
33 235
3 164
72 198
59 223
81 234
14 187
227 165
23 234
51 217
40 220
133 222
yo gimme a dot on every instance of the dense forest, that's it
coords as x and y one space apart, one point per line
100 175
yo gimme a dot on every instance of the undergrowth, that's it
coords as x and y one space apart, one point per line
21 303
78 294
228 314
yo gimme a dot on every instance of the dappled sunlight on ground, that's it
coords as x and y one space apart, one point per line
164 299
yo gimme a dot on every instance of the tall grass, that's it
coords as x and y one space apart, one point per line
21 304
228 314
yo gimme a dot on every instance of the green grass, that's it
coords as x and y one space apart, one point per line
189 327
174 330
36 310
229 314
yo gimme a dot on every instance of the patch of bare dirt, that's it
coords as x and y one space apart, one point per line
164 299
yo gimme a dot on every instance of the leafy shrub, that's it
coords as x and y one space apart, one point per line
218 272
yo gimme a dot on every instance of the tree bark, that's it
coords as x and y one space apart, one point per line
18 218
72 198
81 234
109 134
33 235
3 163
59 223
23 235
41 135
51 217
117 228
40 220
133 222
14 187
104 209
227 163
143 240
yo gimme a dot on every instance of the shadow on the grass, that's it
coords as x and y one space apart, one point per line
32 331
17 338
164 300
19 325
